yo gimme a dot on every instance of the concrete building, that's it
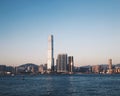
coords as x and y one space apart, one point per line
110 70
32 70
2 69
50 62
61 63
70 64
41 69
45 67
117 70
96 69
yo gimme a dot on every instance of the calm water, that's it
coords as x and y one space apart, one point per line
60 85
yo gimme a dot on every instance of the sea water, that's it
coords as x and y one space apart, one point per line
60 85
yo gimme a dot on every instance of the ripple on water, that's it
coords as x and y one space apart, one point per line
60 85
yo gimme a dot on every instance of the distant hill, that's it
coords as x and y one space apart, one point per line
28 64
117 65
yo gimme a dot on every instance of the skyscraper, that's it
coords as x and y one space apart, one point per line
70 64
50 62
61 63
110 63
110 66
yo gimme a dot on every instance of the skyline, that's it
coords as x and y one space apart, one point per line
89 30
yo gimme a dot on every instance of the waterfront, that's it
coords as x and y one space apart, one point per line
60 85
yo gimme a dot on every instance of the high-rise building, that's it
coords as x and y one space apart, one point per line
50 62
70 64
41 69
61 63
2 69
45 67
110 63
32 70
96 69
110 66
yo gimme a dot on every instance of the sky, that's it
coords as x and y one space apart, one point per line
89 30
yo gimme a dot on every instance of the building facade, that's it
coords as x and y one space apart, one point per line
96 69
50 62
70 64
110 70
61 63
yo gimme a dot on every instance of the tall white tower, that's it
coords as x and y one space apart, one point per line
50 63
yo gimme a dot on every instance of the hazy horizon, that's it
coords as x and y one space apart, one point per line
89 30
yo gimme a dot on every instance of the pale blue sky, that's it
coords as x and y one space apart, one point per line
87 29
